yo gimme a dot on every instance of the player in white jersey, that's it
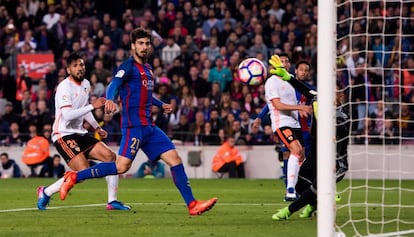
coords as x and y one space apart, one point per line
69 136
284 111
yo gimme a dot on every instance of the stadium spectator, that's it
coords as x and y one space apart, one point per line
196 128
390 134
97 87
181 131
8 167
406 121
7 84
368 134
229 160
103 55
150 170
53 168
221 74
212 50
101 71
246 122
239 133
52 17
15 137
208 137
211 22
159 118
46 41
170 51
112 127
28 39
9 115
36 153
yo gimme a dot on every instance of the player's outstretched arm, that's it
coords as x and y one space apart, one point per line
279 70
302 88
260 116
112 92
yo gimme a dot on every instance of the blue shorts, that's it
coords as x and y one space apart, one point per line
151 139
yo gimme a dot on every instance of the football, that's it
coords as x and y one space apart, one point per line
252 71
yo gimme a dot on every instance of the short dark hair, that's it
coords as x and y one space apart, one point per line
139 33
4 154
303 62
73 57
284 55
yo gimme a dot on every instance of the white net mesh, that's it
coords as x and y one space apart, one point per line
375 69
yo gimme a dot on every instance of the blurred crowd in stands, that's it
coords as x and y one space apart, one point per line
197 46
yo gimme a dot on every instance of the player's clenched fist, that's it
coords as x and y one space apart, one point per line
168 108
98 103
110 107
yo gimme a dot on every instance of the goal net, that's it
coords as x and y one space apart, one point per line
375 70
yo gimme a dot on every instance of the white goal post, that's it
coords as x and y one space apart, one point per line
326 116
377 200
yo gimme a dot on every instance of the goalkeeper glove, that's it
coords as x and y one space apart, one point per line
278 68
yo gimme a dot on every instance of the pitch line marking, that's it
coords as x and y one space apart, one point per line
139 203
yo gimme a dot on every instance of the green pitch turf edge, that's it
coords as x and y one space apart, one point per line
244 208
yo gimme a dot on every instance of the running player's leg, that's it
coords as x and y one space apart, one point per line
128 149
74 158
291 138
103 153
157 144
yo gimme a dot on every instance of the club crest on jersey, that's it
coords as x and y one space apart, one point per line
65 98
120 73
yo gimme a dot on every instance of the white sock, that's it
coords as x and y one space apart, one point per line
292 171
112 182
53 188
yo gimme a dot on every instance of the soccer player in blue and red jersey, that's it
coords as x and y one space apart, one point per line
134 83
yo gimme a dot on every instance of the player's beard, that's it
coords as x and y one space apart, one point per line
143 55
78 76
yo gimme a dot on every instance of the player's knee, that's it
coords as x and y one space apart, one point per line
109 156
112 156
122 168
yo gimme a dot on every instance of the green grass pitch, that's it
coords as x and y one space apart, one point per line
244 208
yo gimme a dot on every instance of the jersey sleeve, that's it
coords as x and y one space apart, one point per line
271 88
119 76
63 97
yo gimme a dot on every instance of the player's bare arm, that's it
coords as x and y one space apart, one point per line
282 106
98 103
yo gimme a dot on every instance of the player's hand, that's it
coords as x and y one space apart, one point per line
168 108
278 68
305 110
98 103
110 107
102 133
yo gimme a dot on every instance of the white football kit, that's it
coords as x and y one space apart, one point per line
73 95
275 87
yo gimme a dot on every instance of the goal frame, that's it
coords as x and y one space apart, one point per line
326 148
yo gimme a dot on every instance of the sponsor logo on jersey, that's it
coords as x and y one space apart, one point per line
149 84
